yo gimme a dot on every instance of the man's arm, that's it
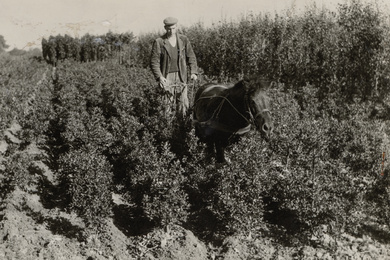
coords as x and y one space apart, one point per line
155 60
191 58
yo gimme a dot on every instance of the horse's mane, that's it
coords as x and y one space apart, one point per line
202 88
248 86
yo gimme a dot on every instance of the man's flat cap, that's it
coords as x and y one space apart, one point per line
170 21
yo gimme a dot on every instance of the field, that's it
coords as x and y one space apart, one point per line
91 168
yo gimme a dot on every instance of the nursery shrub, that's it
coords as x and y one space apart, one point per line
241 186
328 165
16 173
151 175
360 38
18 83
87 176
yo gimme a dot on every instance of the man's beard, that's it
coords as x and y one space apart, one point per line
170 34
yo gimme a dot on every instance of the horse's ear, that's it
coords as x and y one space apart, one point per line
250 84
246 78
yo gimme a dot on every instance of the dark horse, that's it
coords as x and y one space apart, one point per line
221 112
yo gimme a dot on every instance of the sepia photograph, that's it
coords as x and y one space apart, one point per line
194 129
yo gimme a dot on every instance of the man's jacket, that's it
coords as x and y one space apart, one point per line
160 59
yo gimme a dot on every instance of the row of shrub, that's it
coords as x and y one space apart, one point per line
87 48
18 80
104 131
17 83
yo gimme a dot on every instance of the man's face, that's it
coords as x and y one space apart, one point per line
171 29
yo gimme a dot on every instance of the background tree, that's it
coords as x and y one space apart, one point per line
17 52
45 49
3 45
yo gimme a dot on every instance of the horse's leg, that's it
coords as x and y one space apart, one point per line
220 152
210 151
220 146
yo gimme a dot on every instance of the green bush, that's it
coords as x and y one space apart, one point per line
165 201
17 172
378 198
144 164
18 87
360 37
242 185
87 177
327 166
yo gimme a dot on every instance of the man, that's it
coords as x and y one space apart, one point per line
170 55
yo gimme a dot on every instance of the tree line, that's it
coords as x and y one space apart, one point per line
345 51
87 48
342 53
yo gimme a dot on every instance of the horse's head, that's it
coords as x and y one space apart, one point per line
259 105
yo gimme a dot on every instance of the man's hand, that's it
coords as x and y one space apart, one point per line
194 77
163 81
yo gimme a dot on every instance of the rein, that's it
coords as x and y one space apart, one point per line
218 110
260 113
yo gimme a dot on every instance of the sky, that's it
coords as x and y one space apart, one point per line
23 23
